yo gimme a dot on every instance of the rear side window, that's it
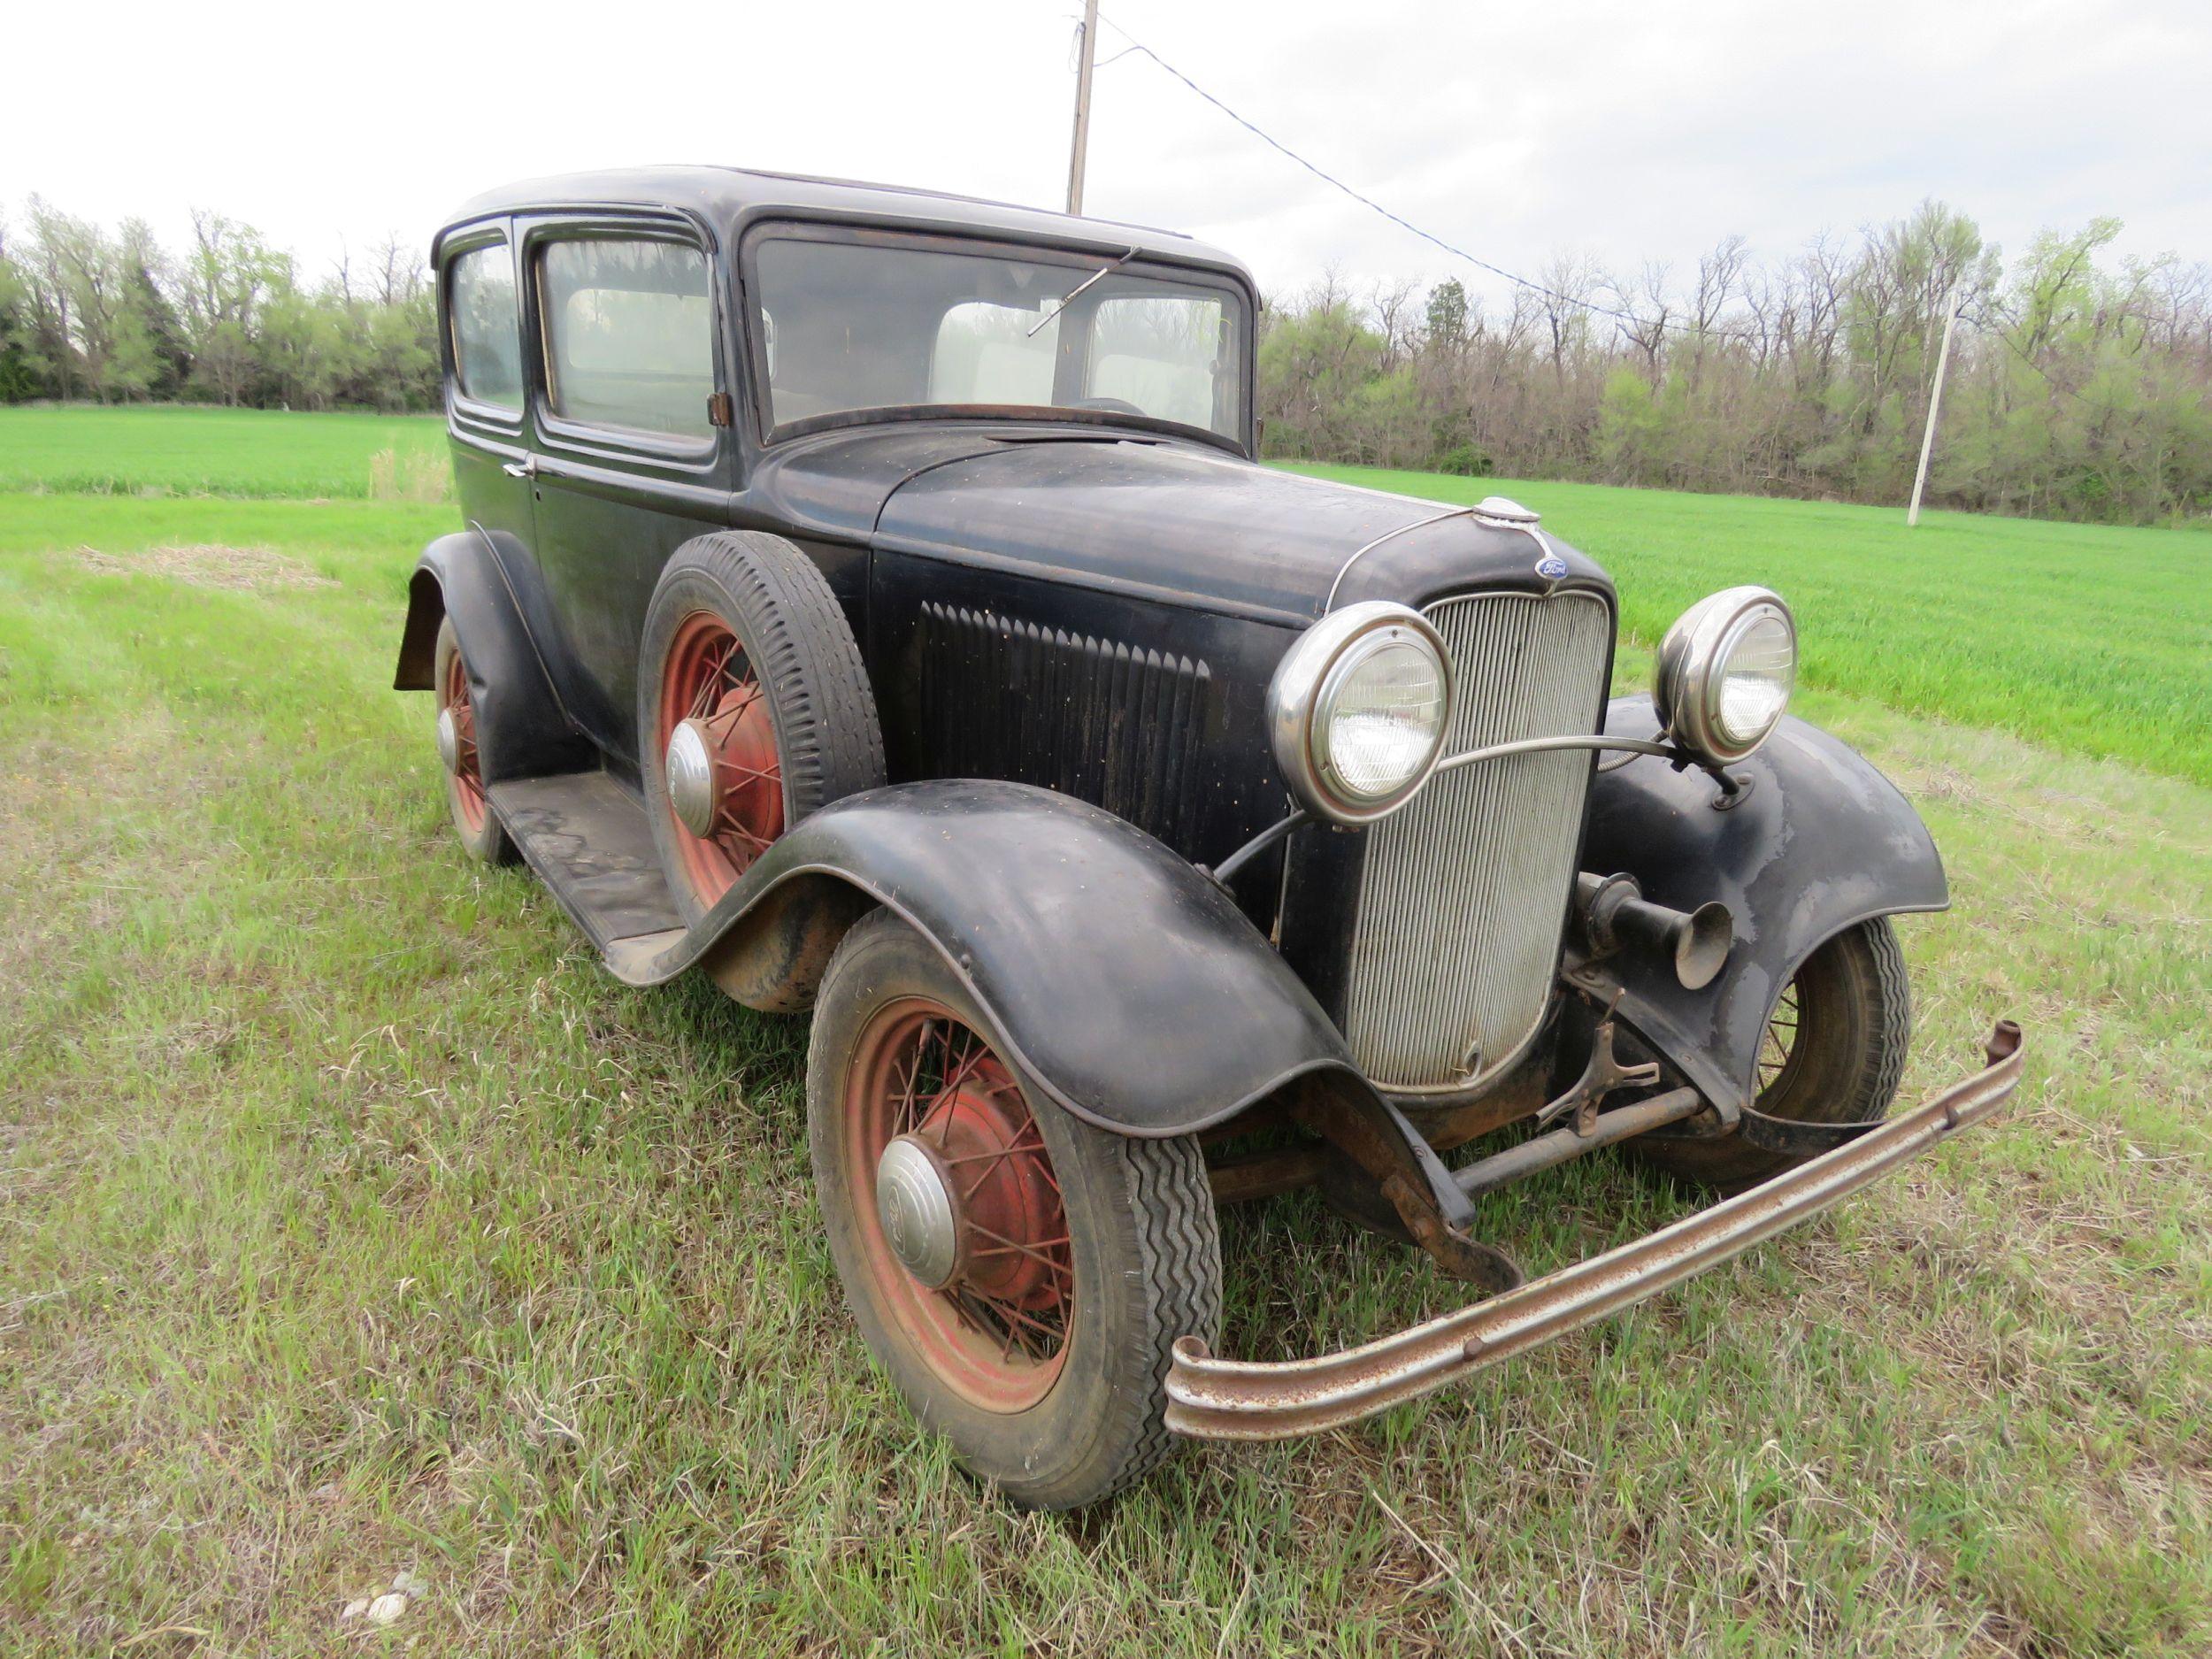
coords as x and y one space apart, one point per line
487 336
629 335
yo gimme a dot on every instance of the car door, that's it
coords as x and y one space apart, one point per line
633 450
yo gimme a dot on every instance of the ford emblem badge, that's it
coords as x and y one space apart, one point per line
1551 567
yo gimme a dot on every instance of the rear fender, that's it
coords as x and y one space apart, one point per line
1822 843
522 730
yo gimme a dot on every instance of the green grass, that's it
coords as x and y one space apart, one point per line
2096 640
353 1220
169 451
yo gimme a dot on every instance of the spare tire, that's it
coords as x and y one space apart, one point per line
753 708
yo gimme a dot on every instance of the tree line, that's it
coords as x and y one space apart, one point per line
114 316
2079 386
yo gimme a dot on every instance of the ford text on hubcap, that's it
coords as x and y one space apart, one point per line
694 791
915 1204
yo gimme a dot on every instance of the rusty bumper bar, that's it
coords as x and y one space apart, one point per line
1237 1400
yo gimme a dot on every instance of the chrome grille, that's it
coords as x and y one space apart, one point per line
1465 890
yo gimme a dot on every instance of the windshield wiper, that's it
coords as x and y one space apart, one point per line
1068 299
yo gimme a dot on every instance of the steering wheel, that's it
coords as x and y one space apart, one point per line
1110 405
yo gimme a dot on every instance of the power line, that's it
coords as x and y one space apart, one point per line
1330 179
1630 318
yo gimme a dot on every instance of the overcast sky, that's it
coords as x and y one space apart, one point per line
1624 131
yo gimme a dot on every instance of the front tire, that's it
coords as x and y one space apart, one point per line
1834 1052
1038 1341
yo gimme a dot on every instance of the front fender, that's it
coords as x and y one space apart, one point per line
1123 983
1822 842
522 730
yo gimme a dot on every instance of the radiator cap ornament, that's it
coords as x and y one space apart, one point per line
1501 510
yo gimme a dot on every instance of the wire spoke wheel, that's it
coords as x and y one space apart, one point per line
1779 1041
460 755
465 778
1021 1274
710 685
996 1327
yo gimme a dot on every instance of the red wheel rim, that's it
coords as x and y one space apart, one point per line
464 783
997 1335
710 679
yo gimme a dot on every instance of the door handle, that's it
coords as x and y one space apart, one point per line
526 467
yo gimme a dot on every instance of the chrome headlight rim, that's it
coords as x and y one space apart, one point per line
1691 670
1312 672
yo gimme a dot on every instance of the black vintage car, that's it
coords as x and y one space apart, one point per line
870 598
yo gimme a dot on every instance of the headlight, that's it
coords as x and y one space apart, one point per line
1724 672
1357 711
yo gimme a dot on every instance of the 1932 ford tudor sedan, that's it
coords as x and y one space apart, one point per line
871 599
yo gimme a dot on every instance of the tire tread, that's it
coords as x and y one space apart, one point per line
1178 1240
1894 988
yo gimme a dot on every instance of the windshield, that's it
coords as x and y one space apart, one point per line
887 324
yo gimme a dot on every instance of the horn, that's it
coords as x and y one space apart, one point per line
1615 916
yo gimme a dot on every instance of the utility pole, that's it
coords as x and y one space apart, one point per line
1082 107
1935 402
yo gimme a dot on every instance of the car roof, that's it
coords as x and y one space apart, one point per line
728 197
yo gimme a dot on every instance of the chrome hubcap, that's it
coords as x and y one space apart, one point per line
694 791
448 742
915 1206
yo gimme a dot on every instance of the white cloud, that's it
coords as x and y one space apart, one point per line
1626 131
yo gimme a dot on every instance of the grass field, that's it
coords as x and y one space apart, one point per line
2095 639
163 451
353 1221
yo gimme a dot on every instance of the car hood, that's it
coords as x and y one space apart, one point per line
1163 519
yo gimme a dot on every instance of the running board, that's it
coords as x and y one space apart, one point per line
588 838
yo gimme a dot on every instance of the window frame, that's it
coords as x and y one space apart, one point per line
781 227
595 438
463 408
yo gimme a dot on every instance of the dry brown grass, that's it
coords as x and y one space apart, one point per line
416 475
239 569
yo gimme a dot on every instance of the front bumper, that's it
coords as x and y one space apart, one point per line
1240 1400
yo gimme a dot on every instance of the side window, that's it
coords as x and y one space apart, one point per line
486 337
629 335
